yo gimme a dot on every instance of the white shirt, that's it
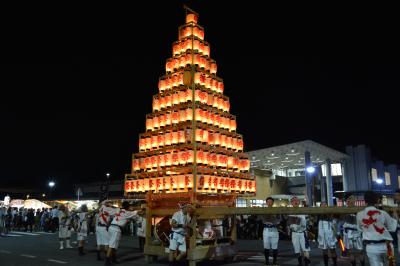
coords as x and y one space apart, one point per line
54 213
298 227
375 224
105 213
141 226
182 220
122 217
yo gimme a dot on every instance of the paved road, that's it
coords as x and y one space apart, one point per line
41 249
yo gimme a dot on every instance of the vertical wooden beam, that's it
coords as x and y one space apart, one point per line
148 228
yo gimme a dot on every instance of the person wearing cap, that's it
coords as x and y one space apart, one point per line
270 234
120 219
352 238
141 227
326 236
376 226
298 227
103 219
179 224
64 223
82 231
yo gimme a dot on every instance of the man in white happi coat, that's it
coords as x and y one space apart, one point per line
180 223
82 228
270 234
352 238
118 222
298 227
103 219
327 236
64 224
376 226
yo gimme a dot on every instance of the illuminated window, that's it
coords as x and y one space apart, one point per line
374 174
387 179
336 169
241 203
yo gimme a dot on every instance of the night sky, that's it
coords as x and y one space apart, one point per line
76 86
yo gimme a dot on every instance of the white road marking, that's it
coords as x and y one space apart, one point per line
5 251
45 233
57 261
12 235
24 233
28 256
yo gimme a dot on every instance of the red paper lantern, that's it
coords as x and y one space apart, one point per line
149 123
168 138
156 122
175 117
191 18
154 142
175 137
142 144
136 165
213 67
156 104
199 135
181 136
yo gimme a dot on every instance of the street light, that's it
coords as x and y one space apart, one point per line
310 169
51 185
43 195
108 175
379 181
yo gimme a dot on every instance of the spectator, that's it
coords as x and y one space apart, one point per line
30 220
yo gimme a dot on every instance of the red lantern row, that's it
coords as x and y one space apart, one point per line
183 46
169 82
205 183
168 184
158 121
183 158
186 59
183 96
190 30
163 139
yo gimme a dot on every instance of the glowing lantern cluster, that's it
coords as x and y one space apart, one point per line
190 128
162 102
164 119
186 157
175 80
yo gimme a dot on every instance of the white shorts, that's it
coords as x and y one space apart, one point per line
270 238
114 234
377 254
299 242
63 232
102 236
177 241
352 240
326 239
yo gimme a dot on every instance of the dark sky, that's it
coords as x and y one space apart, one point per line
76 86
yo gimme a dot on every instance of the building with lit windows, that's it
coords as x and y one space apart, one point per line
317 173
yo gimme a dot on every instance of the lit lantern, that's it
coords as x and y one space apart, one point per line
218 120
199 114
234 143
201 34
181 136
179 79
182 115
175 98
196 45
148 143
169 65
161 121
168 159
221 87
205 136
199 134
141 164
168 100
162 102
245 165
230 162
190 157
173 182
182 62
240 144
161 85
191 18
212 84
154 142
196 31
160 140
142 144
153 160
216 138
175 117
207 64
210 99
187 45
156 122
189 114
173 81
188 181
210 138
175 158
206 50
147 163
228 142
197 95
149 123
197 76
201 183
203 97
187 59
209 159
188 95
136 165
160 160
232 124
201 48
227 105
202 79
167 118
211 119
208 82
214 159
223 140
175 137
204 116
200 157
236 163
182 97
202 62
226 123
206 156
213 67
168 138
